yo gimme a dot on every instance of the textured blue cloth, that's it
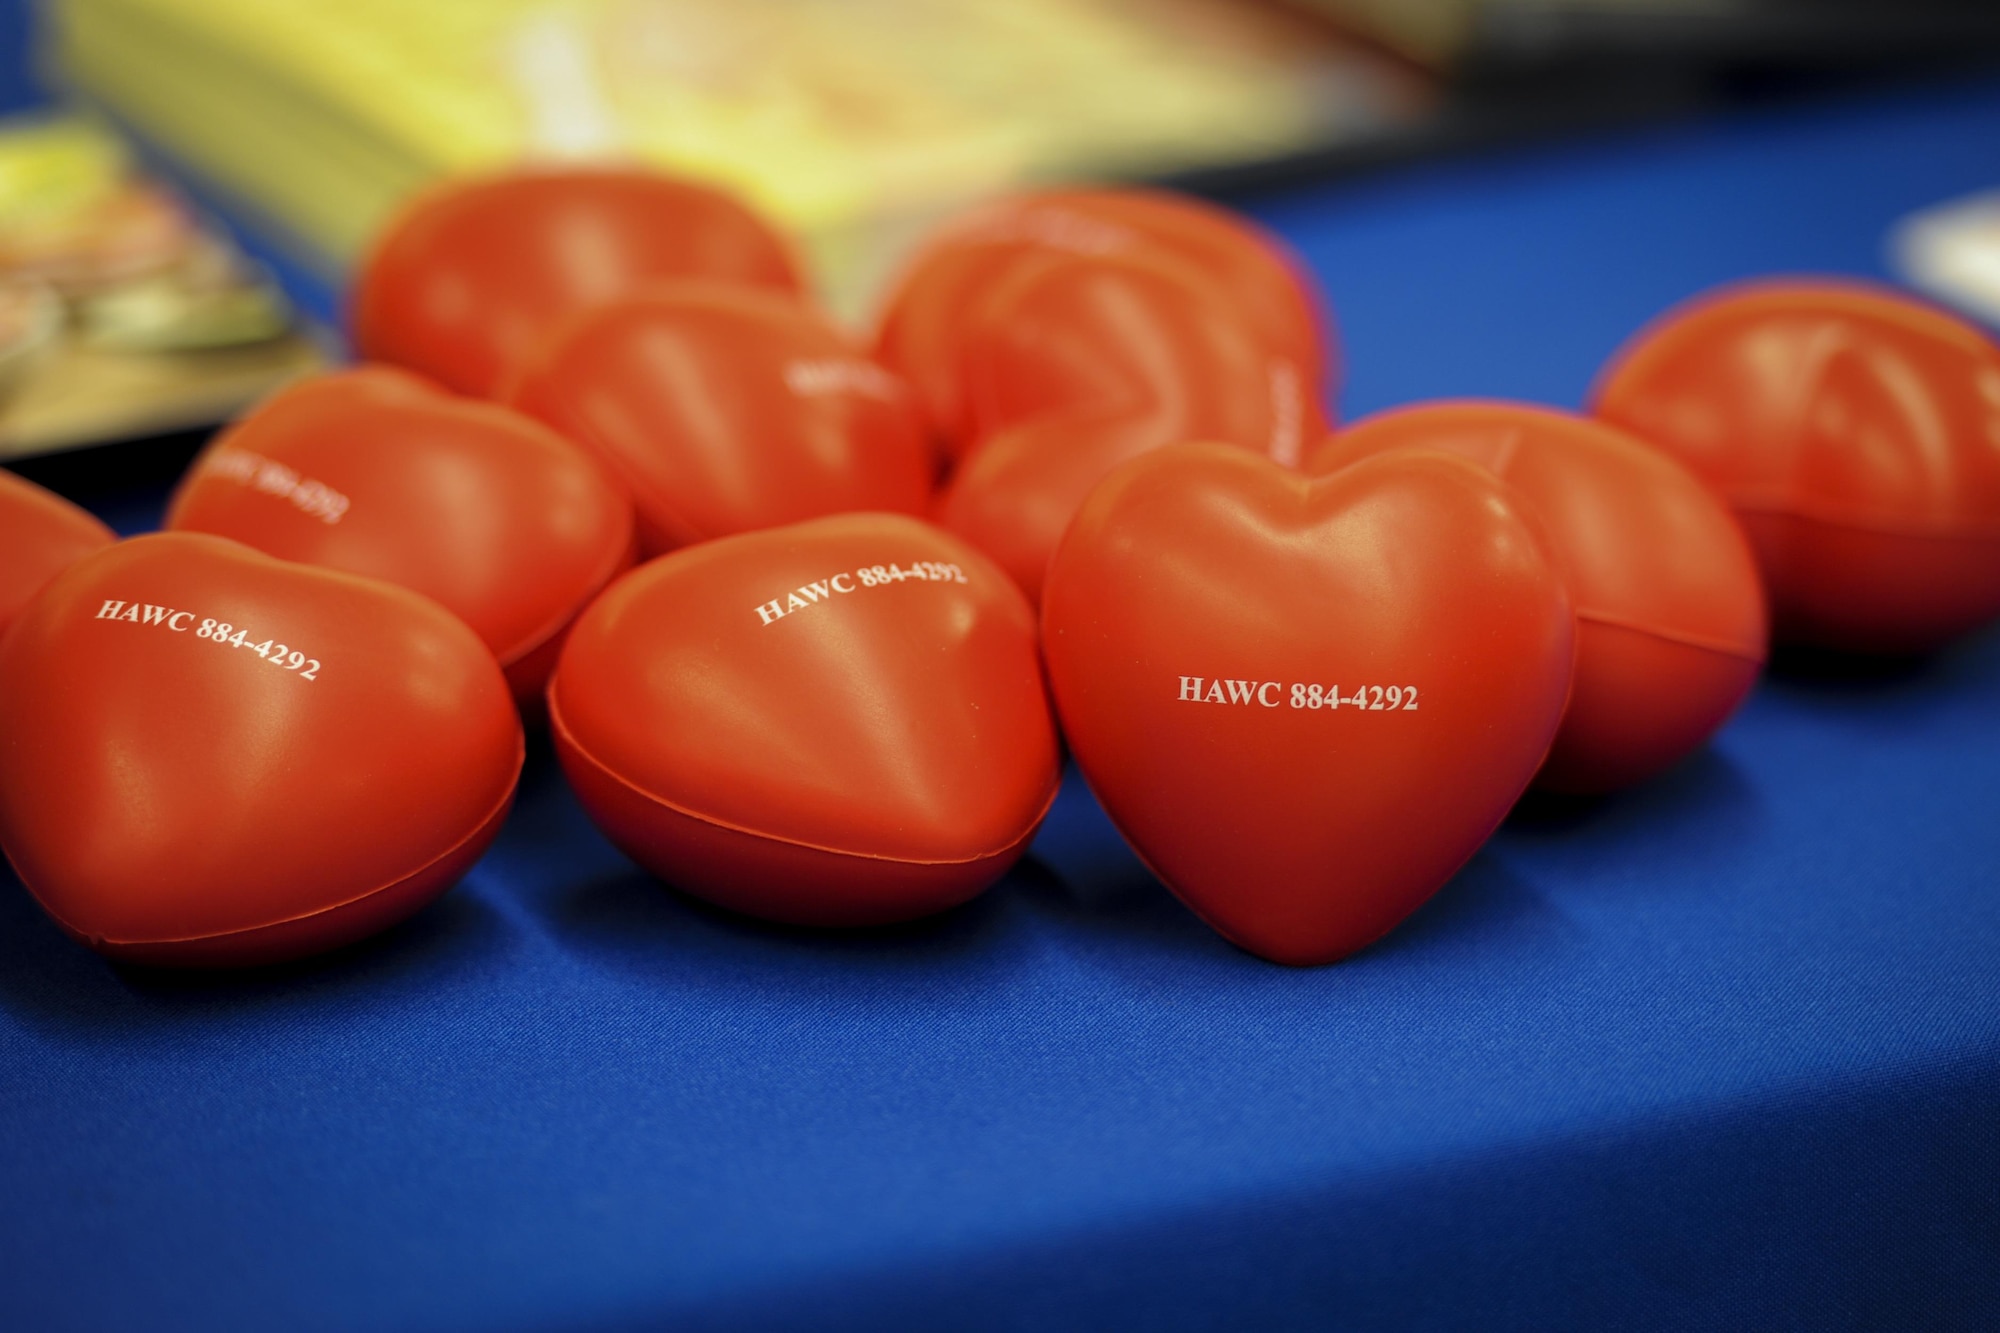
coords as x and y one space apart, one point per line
1722 1052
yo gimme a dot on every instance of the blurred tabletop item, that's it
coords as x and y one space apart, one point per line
847 121
1951 252
121 314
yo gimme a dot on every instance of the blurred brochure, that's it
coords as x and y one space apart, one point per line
847 121
121 315
1952 252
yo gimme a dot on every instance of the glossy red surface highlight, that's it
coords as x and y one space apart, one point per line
176 799
850 754
1200 584
498 519
41 535
723 410
1856 432
1671 623
473 276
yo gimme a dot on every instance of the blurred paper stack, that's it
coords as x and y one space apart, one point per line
851 122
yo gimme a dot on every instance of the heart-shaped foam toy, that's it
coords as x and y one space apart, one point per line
1079 363
473 276
1306 702
41 535
1855 432
497 518
723 410
217 758
841 722
923 324
1671 627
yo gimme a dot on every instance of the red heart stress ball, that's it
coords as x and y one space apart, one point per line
1306 703
1855 431
215 757
1670 616
841 722
508 526
476 274
941 295
725 409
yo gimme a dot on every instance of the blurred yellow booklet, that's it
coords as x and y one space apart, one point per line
840 118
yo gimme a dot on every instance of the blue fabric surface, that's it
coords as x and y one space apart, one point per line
1722 1052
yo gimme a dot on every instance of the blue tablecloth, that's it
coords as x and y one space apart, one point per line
1720 1052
